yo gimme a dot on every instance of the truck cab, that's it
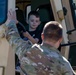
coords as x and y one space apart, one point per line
63 11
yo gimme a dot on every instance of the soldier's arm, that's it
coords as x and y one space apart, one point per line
67 69
13 37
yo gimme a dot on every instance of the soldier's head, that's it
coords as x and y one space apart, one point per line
52 32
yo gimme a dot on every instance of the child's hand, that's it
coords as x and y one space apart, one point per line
26 34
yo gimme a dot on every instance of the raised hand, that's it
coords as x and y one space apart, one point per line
11 16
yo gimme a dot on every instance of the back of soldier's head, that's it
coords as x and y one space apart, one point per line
52 31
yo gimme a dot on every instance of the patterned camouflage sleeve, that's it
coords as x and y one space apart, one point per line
67 69
14 39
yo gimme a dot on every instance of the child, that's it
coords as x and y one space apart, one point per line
33 34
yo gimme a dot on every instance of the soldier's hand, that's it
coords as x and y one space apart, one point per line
11 16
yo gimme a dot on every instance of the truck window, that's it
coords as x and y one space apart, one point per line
73 10
3 11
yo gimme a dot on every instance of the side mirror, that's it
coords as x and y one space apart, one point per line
3 11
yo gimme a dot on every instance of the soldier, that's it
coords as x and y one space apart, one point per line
36 59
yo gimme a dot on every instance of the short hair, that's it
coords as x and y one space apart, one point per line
33 13
52 31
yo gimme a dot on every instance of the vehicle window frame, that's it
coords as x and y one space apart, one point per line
3 8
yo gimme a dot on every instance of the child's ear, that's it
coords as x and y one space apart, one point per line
39 22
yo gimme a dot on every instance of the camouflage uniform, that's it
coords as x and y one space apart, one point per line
37 59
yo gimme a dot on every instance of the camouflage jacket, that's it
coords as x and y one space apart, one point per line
37 59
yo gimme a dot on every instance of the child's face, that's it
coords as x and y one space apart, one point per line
33 21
